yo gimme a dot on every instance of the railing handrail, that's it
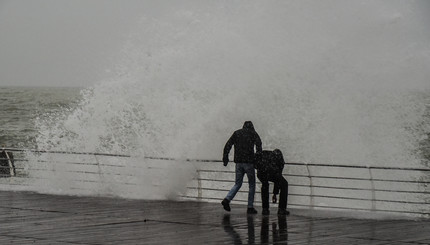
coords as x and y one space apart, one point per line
312 171
64 152
359 166
213 160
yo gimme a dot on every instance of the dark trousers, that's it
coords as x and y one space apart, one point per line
283 186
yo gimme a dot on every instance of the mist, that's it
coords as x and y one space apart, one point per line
332 82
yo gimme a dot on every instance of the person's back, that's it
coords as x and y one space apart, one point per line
244 140
269 165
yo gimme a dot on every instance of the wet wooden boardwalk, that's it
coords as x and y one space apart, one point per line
30 218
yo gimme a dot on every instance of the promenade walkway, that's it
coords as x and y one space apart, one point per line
31 218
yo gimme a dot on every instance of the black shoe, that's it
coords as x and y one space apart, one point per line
283 212
226 205
251 211
265 211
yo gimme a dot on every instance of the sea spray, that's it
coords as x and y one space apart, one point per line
330 82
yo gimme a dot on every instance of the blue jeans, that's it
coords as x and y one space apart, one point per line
241 170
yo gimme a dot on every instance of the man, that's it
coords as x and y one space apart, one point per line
7 167
243 141
270 165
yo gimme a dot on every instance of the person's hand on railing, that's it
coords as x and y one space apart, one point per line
274 199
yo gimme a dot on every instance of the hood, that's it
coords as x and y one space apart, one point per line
248 125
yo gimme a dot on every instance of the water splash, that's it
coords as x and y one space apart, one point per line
332 82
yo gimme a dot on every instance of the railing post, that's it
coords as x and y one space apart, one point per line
97 160
373 188
311 200
199 186
99 167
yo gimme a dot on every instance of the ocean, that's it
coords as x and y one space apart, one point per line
112 118
22 106
33 114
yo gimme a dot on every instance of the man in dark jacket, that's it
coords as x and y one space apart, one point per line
270 165
7 168
244 141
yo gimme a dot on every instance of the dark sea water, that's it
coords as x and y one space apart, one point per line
20 106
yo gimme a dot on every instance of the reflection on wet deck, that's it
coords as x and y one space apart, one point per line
30 218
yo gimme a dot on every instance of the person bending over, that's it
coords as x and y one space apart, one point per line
270 165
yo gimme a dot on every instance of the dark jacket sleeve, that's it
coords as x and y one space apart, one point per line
228 145
258 144
280 163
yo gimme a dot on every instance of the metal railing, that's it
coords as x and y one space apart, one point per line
395 190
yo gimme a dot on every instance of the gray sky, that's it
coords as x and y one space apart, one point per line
61 42
76 42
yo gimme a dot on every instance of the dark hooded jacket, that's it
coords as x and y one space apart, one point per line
269 165
244 141
270 162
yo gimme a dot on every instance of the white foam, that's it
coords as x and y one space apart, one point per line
333 82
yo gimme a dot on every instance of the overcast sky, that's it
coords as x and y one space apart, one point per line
76 42
62 42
